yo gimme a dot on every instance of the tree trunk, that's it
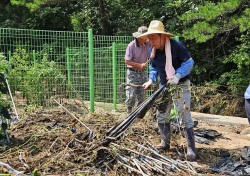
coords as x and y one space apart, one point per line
103 17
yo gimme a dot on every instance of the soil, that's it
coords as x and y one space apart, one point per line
53 142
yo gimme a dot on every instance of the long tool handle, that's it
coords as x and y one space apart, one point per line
74 116
11 98
147 61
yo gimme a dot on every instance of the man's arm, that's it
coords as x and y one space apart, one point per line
135 65
153 74
185 68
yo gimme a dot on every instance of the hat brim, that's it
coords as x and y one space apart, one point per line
136 34
155 32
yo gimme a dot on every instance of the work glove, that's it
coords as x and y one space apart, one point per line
147 85
173 81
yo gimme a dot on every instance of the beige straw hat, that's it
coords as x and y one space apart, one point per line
156 27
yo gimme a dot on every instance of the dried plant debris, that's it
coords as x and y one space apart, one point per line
52 141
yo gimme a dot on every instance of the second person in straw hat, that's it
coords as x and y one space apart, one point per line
171 61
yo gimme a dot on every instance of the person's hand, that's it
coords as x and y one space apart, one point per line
173 81
143 66
147 85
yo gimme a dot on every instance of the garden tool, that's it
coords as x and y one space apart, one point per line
91 134
147 61
12 100
123 85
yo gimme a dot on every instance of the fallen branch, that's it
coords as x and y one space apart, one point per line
11 169
92 135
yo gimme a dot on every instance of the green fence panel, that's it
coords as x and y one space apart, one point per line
103 54
65 65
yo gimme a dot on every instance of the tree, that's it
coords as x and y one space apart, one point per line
220 30
49 14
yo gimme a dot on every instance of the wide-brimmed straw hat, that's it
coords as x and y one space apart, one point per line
141 30
156 27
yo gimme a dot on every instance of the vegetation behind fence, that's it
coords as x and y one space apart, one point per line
57 64
43 65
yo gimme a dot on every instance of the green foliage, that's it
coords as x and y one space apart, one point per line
4 104
116 17
42 80
211 19
215 32
3 63
241 53
20 63
201 31
210 10
221 53
240 56
174 8
36 172
14 16
36 81
241 21
234 80
210 98
32 5
47 14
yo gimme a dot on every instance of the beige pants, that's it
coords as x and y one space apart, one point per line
181 99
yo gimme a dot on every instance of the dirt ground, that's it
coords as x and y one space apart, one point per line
53 142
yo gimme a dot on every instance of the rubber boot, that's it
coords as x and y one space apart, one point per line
191 151
129 110
164 129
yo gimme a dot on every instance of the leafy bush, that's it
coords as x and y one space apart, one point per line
37 81
4 104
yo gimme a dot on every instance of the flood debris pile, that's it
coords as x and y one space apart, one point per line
127 156
205 136
142 159
229 165
53 141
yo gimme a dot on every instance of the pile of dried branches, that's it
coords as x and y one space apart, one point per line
53 142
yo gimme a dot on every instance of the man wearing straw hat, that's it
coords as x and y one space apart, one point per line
136 61
171 61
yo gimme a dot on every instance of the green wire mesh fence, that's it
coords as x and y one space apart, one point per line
70 66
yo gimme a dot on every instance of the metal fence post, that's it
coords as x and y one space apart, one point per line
91 70
114 73
9 55
34 57
68 70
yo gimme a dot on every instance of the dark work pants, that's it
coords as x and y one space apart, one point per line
247 108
